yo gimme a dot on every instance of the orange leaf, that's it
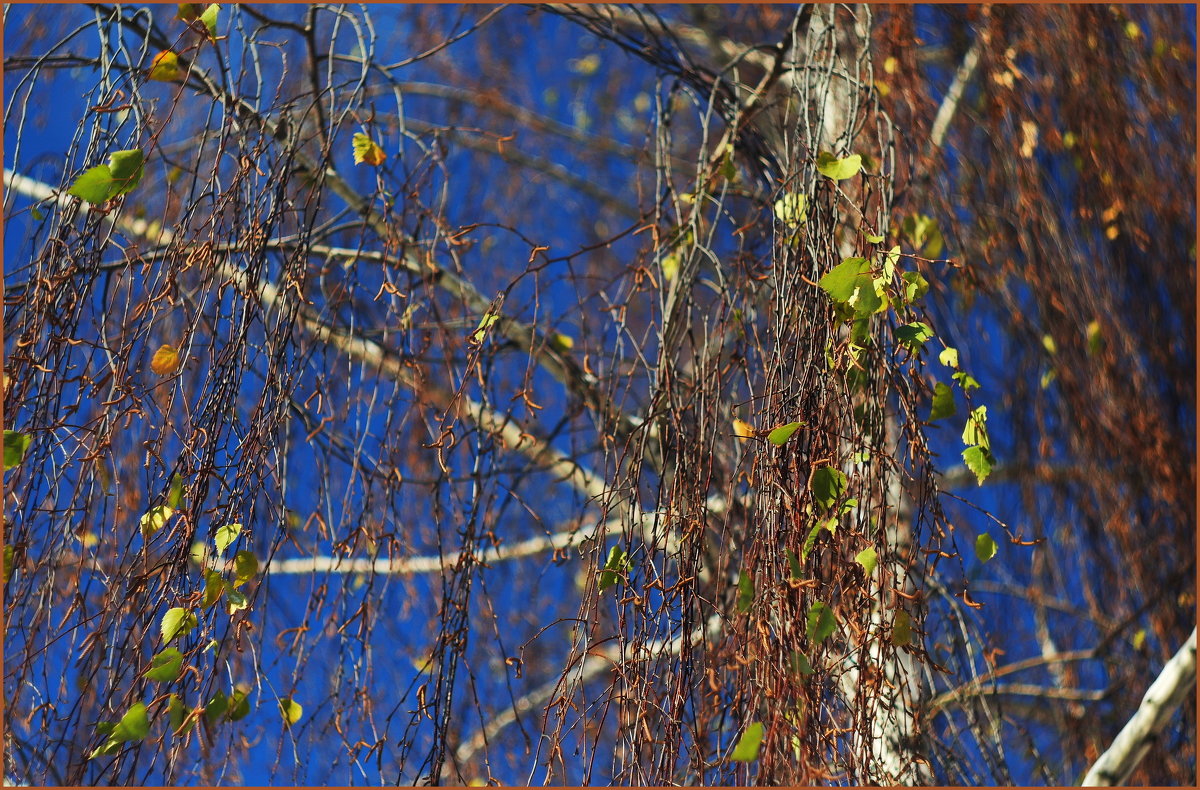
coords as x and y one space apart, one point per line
165 361
743 429
165 67
367 151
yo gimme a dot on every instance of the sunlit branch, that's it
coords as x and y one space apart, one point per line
949 106
1165 695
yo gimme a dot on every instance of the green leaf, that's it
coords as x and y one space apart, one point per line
914 335
728 168
975 432
8 562
965 380
791 209
155 519
794 564
800 664
889 262
616 564
485 323
810 541
745 599
943 402
867 300
175 496
868 559
216 707
827 486
779 436
15 445
93 185
133 726
821 622
245 566
125 167
105 182
748 745
915 287
214 585
177 713
901 629
235 600
923 232
844 280
979 460
187 11
210 17
165 666
239 704
291 711
949 357
109 747
838 169
873 239
934 245
225 537
37 214
985 547
177 622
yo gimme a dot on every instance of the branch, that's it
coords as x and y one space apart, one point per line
962 477
985 684
941 122
594 663
385 362
560 364
1166 694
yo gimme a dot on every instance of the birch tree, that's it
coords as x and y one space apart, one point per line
598 394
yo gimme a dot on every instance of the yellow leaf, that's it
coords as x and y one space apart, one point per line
156 519
367 151
165 361
291 711
670 266
743 429
585 66
165 67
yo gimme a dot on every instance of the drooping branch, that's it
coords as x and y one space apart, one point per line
386 362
